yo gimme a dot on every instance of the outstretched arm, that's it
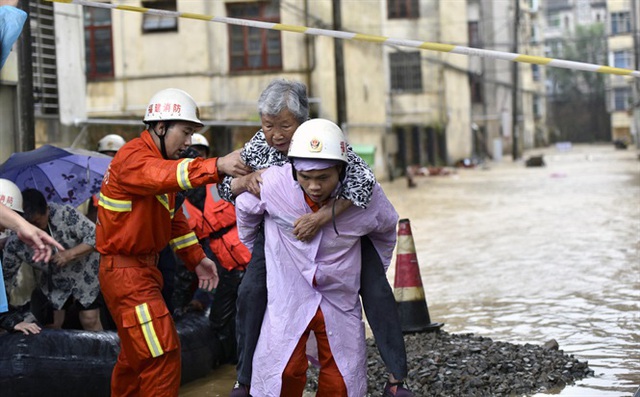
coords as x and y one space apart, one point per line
232 164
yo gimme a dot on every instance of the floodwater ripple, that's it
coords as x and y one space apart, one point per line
525 255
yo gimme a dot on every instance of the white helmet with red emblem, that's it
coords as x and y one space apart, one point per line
319 139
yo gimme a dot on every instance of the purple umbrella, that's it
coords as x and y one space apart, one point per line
65 176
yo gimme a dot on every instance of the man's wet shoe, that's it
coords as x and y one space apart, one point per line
396 389
240 390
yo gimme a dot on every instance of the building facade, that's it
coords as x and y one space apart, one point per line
507 98
623 91
620 20
402 106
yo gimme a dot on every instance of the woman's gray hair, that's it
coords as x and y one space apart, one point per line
283 94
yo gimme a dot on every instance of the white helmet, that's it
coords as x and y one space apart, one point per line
111 143
199 139
319 139
10 195
172 104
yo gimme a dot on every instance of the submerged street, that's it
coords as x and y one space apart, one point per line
525 255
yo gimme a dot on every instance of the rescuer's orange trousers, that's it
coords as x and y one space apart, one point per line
294 377
149 360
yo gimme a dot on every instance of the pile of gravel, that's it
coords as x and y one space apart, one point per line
442 364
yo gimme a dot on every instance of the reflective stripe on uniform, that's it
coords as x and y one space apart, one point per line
184 241
213 190
182 174
113 204
185 210
164 200
144 318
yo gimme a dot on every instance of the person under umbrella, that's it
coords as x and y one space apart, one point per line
40 242
72 274
13 318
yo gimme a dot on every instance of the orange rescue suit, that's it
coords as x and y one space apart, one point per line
137 218
218 223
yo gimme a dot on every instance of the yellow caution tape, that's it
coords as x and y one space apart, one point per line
453 49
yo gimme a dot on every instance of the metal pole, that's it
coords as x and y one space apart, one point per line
25 134
514 88
341 96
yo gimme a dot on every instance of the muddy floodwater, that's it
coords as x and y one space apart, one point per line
525 255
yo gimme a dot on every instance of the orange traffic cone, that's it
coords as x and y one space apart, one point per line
407 288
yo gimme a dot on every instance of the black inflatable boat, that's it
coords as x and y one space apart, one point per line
74 363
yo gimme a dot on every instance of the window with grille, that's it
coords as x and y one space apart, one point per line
553 48
156 23
535 35
622 59
98 44
403 9
535 72
253 48
554 20
537 105
620 22
406 71
474 34
475 84
621 98
43 58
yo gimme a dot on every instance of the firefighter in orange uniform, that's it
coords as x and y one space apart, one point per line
137 218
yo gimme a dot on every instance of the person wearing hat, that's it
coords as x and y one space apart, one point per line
322 275
137 218
72 275
201 145
110 144
12 318
283 106
107 145
40 242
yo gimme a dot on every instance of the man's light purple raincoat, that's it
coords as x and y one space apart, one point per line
334 261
